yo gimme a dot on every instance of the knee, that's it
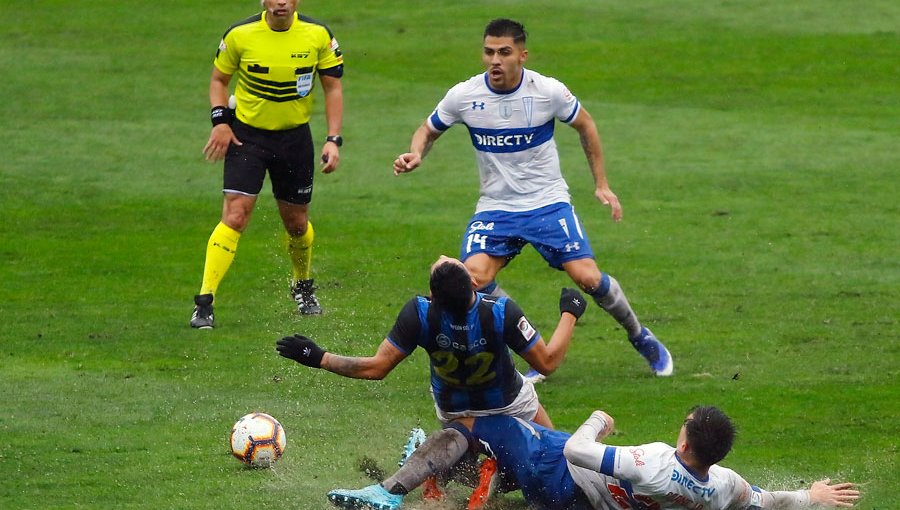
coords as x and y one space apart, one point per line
589 281
296 227
481 276
236 219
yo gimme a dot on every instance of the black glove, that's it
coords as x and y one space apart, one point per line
570 300
301 349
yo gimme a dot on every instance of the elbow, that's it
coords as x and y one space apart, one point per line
547 366
570 450
567 450
376 375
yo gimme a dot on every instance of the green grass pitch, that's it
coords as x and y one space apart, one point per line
753 146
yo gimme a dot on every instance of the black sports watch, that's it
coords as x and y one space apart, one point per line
335 139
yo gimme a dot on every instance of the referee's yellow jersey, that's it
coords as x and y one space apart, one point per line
276 70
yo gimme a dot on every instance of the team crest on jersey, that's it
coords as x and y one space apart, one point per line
526 328
506 108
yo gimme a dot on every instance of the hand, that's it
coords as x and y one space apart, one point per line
570 300
330 157
301 349
220 138
837 495
607 197
407 163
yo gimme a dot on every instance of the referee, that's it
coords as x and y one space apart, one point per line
275 55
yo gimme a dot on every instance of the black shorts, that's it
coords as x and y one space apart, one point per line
287 155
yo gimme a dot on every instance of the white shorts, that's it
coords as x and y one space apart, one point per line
525 406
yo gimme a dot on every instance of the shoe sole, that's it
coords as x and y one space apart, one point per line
348 502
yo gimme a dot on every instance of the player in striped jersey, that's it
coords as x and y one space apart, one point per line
510 112
468 337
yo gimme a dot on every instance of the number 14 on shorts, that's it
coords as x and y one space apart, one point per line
476 239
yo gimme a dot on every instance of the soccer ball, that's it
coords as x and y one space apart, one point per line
258 440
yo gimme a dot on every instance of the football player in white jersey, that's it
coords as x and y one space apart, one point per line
510 112
560 471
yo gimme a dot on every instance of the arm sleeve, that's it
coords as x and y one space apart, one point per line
228 57
582 449
518 333
331 60
405 333
782 500
565 104
754 498
446 113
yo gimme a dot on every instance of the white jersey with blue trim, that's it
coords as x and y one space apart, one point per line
512 132
650 476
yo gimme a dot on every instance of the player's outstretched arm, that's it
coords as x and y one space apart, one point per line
422 141
820 494
306 352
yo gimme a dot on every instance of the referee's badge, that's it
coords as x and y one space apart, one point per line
304 84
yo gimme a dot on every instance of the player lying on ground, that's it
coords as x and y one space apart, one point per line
556 470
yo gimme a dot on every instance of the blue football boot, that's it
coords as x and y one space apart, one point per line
654 352
373 497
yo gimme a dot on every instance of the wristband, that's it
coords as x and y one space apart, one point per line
220 115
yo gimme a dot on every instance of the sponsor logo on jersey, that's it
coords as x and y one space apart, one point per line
299 54
637 453
478 105
526 328
443 341
688 483
504 140
510 140
480 225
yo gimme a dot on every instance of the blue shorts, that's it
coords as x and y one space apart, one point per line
531 457
553 230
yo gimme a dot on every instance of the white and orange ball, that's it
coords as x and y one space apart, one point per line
258 440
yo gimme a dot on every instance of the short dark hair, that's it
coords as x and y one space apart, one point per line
503 27
710 434
451 287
